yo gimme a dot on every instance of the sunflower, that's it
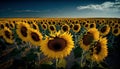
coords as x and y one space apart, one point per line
44 26
65 28
54 23
7 25
8 35
2 26
104 30
12 25
91 35
76 28
92 25
99 50
1 32
71 26
58 45
86 26
116 31
35 37
116 25
35 26
52 28
22 30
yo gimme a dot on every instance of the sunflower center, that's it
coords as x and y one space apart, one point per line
76 27
7 34
7 25
53 22
44 26
115 31
71 26
24 31
58 44
35 36
52 28
86 25
65 28
91 25
98 48
11 25
49 22
103 29
34 26
88 39
2 26
116 26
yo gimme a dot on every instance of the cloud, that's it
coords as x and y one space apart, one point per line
27 11
103 6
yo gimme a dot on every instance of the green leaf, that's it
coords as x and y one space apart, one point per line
77 52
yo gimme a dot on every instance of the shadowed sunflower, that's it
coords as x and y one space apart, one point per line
116 31
104 30
59 45
65 28
35 37
44 26
8 35
52 28
22 30
99 50
76 28
91 35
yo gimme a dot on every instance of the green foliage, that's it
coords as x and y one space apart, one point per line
77 52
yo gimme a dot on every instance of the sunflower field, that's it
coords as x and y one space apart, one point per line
59 43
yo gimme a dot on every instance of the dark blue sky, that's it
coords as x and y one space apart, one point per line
59 8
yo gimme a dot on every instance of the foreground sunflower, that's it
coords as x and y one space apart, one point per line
104 30
34 37
76 28
58 45
100 50
22 30
91 35
8 35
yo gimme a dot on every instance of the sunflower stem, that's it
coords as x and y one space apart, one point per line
16 45
82 59
38 54
56 63
91 65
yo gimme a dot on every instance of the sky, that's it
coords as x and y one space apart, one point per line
60 8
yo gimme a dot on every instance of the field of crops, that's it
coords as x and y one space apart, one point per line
59 43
